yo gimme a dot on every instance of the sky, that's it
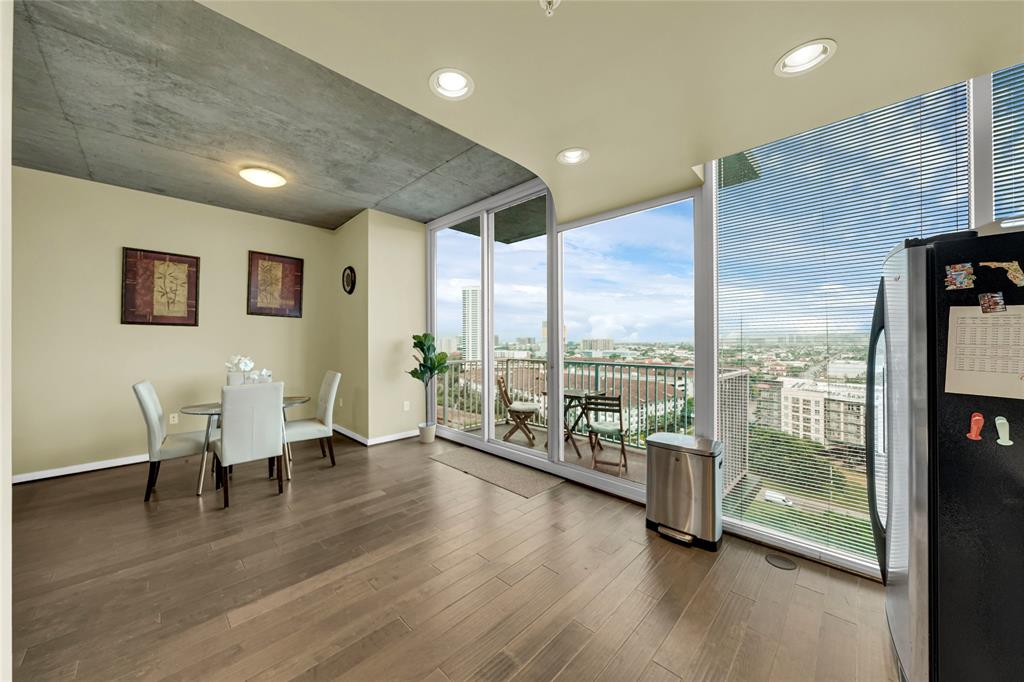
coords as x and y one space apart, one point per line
800 249
629 278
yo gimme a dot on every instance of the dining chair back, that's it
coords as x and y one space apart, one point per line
328 393
252 424
604 420
153 413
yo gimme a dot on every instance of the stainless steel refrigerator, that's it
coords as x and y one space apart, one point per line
945 485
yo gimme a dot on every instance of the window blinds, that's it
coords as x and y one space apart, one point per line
1008 141
802 233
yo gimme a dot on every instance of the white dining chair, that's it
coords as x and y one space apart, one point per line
252 428
321 427
163 446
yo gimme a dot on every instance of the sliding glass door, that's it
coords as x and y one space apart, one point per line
458 326
519 325
627 365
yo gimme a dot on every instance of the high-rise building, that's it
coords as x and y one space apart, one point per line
597 344
822 411
470 347
449 344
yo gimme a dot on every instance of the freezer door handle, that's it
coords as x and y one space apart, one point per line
871 423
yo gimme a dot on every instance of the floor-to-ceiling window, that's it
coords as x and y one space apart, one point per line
1008 144
803 227
458 325
519 324
628 336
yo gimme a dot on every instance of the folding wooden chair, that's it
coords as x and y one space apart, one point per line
519 412
601 407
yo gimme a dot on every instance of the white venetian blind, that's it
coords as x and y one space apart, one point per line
803 227
1008 141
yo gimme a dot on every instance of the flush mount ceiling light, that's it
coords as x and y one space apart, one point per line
805 57
573 156
262 177
449 83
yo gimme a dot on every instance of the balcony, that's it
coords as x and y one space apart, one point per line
655 397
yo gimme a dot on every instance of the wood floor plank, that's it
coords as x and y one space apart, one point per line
391 566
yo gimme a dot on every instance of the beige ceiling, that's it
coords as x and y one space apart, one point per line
652 89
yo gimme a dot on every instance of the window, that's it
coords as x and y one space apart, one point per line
628 328
1008 141
803 227
458 325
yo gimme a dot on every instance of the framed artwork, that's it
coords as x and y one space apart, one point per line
159 288
275 285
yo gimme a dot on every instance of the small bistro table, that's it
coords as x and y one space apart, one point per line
212 413
574 398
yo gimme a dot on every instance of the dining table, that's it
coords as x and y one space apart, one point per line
212 412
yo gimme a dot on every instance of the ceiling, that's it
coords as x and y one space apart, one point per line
174 98
651 88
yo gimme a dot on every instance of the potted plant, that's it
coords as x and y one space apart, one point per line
430 364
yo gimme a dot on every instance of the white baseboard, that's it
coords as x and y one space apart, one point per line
79 468
377 440
351 434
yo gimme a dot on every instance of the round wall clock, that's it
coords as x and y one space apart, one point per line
348 279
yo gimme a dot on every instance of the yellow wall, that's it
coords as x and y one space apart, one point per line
350 355
397 288
74 363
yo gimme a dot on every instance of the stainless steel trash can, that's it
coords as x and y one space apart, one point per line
684 488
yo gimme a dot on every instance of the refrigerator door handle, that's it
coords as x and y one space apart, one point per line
878 530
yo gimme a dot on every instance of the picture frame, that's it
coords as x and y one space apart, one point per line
159 288
275 285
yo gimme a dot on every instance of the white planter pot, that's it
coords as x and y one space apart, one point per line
427 432
236 378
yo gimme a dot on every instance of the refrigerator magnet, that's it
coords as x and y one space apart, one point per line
992 303
977 422
1003 429
1012 268
959 276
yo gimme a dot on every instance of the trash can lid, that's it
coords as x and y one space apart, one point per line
679 442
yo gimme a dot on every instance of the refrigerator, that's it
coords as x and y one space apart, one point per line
945 454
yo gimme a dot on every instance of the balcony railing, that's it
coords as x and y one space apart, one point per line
655 397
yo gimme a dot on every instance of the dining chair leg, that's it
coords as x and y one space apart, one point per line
270 466
225 481
280 474
330 449
216 472
287 459
151 479
202 473
323 450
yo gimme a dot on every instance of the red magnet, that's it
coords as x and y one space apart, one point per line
977 421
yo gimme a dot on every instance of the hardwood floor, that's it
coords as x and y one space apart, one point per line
393 566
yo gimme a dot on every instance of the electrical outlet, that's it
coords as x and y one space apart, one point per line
174 418
405 406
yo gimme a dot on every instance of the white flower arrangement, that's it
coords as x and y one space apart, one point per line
239 363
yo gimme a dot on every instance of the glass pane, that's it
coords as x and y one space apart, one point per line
802 234
627 288
1008 141
458 324
520 324
881 471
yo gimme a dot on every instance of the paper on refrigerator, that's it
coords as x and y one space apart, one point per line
985 353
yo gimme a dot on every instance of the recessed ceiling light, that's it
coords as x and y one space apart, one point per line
1016 221
262 177
573 156
805 57
451 83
